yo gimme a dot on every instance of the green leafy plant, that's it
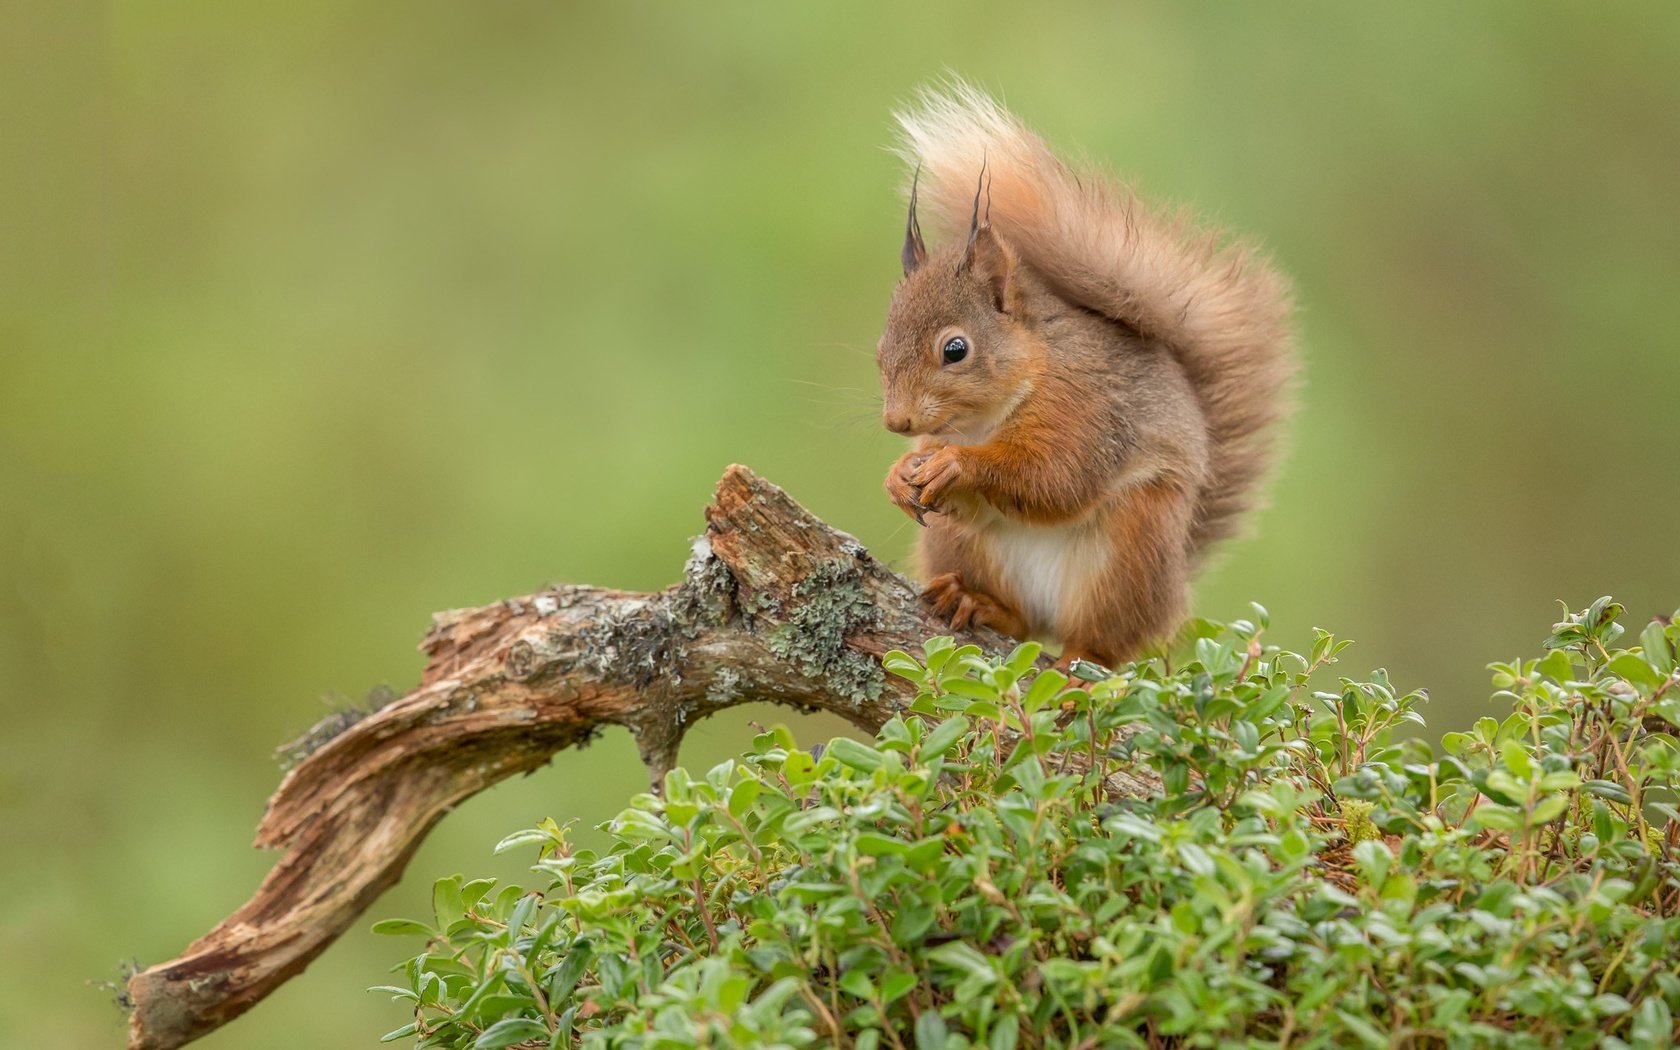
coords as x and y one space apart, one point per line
1204 852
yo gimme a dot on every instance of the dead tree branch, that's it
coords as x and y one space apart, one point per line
774 605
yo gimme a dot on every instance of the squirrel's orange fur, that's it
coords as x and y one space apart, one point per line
1113 399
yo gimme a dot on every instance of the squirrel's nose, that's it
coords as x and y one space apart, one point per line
897 423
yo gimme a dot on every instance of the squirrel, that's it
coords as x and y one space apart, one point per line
1093 387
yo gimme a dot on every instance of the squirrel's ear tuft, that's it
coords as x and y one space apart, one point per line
986 256
915 252
992 262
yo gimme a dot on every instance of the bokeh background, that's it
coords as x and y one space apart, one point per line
317 317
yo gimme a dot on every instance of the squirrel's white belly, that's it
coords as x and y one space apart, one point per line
1048 567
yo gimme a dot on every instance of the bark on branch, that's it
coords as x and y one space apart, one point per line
774 605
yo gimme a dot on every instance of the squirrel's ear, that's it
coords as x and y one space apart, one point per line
993 263
914 252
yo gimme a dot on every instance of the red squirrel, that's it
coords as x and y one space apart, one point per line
1093 387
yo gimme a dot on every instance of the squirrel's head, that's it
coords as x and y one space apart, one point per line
958 352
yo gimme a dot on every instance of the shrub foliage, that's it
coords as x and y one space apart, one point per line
1309 872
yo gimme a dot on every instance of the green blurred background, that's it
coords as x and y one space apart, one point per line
317 317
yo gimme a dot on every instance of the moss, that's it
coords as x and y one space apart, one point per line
761 603
707 596
638 647
826 606
1356 820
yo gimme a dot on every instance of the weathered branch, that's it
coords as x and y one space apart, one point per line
774 605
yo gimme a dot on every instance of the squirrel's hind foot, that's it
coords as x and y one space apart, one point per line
962 607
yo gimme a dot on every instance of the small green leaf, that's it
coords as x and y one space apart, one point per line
872 844
1603 826
447 906
1045 686
856 982
509 1031
1608 789
1500 818
902 664
1548 809
849 752
1367 1032
1005 1034
1633 668
1023 657
742 796
1516 758
403 928
1653 642
1653 1025
962 956
943 737
931 1033
1557 666
895 984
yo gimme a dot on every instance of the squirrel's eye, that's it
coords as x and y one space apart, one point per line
956 348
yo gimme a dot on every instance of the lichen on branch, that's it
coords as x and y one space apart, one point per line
774 605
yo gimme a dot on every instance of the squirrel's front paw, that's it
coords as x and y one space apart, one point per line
902 491
936 475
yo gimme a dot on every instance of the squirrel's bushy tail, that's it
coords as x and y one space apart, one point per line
1219 307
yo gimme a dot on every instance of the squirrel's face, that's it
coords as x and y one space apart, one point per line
957 354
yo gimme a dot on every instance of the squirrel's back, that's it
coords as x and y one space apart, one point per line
1220 309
